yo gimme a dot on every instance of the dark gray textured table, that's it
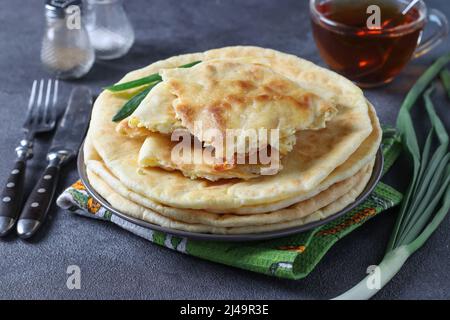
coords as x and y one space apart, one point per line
116 264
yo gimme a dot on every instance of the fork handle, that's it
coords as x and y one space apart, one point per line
38 203
13 190
11 198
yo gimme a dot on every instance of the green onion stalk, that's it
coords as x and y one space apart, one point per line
427 199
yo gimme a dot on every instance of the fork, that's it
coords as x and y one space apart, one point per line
40 117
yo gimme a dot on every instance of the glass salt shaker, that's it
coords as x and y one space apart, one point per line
66 51
109 28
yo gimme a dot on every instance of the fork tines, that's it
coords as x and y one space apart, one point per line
41 113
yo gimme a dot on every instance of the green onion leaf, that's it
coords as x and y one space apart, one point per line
430 184
143 81
435 120
132 104
428 205
445 78
435 222
134 83
409 139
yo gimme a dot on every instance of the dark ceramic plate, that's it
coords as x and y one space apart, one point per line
376 175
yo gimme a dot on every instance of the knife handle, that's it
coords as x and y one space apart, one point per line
38 203
11 198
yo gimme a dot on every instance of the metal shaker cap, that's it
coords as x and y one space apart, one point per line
57 8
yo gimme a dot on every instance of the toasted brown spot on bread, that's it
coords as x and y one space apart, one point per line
245 85
185 112
217 112
235 99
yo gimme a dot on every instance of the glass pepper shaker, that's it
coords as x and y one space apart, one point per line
66 50
109 28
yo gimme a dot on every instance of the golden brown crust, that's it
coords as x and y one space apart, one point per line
230 94
298 213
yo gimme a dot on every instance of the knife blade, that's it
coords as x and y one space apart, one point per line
64 147
73 125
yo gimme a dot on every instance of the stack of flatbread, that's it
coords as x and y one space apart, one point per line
327 135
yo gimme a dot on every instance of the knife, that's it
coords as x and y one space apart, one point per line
63 149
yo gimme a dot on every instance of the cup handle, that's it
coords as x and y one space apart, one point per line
442 31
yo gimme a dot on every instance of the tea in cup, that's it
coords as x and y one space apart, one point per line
370 41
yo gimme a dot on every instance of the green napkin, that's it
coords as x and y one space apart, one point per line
292 257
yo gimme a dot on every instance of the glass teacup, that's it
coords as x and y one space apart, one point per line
370 41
